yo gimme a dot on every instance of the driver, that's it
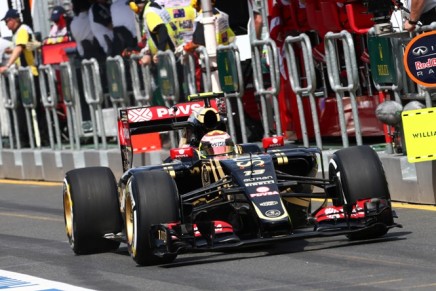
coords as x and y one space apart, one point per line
216 143
203 120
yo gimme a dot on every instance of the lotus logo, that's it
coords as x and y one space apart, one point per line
273 213
420 50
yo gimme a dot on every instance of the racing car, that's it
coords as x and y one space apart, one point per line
211 194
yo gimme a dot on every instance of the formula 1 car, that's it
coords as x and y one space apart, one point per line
195 201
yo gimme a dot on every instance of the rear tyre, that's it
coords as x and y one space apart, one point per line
152 199
91 209
361 175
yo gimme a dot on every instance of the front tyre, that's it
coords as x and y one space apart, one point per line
152 198
361 175
91 209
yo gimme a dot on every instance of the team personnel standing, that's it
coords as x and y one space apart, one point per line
223 33
86 42
124 26
59 18
423 11
160 31
101 24
21 55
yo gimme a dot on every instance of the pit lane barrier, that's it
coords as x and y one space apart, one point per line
408 182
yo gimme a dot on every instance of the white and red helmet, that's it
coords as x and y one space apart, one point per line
216 142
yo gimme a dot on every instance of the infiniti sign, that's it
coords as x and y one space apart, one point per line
420 51
420 59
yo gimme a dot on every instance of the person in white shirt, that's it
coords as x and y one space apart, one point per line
86 43
101 24
124 26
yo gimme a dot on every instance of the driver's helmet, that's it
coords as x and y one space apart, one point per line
216 142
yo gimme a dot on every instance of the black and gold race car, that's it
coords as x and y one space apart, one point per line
212 194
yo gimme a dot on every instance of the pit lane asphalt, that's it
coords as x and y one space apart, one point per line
33 242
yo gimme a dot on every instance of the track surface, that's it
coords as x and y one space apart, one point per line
33 242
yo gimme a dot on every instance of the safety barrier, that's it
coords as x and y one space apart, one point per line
94 97
333 69
49 98
28 99
188 62
10 102
205 66
167 76
230 73
72 104
142 81
300 90
263 91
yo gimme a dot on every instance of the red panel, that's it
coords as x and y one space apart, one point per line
55 53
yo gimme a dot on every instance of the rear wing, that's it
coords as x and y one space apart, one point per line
151 119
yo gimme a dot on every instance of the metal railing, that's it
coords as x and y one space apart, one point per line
10 102
49 97
233 88
142 81
296 79
267 92
333 68
94 97
72 104
28 99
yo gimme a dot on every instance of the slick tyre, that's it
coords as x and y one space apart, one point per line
91 209
361 175
152 198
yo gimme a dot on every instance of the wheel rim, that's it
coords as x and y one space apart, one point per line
130 223
68 212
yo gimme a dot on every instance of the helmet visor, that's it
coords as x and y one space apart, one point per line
218 150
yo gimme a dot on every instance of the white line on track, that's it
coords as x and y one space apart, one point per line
20 282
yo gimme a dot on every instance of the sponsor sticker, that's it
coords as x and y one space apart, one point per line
268 203
269 193
262 189
419 59
273 213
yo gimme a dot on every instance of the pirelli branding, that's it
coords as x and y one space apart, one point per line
259 181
